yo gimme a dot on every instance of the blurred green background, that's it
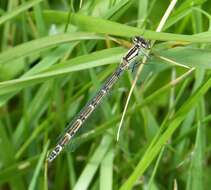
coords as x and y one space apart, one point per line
55 55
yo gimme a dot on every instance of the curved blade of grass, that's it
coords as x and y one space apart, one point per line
38 45
99 58
92 24
9 15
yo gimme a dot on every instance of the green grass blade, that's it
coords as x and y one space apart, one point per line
92 24
38 45
106 171
80 63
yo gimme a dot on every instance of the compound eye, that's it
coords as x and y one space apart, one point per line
145 45
136 39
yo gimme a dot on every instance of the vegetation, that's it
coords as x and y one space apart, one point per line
56 54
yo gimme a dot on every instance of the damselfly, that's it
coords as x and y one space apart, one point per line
139 45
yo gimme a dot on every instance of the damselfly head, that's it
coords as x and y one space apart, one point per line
141 42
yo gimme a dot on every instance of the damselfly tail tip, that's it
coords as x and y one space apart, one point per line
54 153
51 156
